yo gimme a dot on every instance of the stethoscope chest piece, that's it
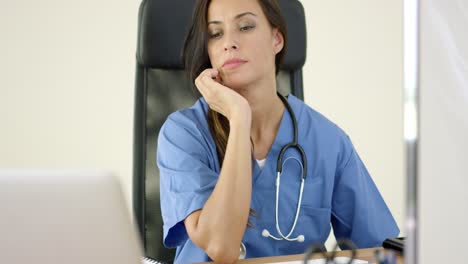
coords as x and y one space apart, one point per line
243 251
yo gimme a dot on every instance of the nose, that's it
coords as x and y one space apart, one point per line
230 43
233 46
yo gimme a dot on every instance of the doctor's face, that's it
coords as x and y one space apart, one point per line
241 43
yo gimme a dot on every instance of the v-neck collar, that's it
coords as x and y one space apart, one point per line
284 135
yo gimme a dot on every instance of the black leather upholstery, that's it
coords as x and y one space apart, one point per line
171 19
161 88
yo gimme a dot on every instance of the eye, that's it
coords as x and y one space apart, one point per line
214 35
246 28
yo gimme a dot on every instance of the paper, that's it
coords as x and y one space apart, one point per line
149 261
338 260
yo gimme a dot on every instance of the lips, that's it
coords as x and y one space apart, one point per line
233 63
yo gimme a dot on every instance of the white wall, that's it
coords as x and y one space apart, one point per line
443 181
353 75
67 79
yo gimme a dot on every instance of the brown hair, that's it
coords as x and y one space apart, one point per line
196 59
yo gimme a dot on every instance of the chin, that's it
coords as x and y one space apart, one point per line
237 81
235 85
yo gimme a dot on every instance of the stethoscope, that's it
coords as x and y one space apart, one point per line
279 169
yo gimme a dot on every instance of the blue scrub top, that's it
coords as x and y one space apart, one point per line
338 189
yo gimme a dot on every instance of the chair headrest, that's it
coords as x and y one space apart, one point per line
163 25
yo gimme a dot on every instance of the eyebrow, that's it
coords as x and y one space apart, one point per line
236 17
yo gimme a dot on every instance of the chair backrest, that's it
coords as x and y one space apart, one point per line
161 88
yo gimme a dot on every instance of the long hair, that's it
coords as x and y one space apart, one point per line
196 59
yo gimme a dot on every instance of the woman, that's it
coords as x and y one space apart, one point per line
218 159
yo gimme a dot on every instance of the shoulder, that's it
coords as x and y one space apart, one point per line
318 132
192 119
186 133
187 128
313 120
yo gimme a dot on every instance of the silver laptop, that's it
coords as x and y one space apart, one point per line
65 217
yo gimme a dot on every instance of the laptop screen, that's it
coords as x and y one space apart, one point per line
65 217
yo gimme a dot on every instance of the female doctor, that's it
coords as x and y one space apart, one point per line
247 168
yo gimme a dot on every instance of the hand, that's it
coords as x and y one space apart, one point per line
220 98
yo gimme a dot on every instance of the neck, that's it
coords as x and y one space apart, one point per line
267 108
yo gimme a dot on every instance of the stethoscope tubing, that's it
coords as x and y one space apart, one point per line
279 168
293 144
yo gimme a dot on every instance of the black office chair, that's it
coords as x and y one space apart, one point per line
161 88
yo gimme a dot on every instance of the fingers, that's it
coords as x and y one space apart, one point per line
216 76
218 96
207 83
210 77
211 73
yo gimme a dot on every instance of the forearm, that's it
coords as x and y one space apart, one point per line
223 219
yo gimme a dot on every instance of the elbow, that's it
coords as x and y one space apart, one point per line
214 243
223 254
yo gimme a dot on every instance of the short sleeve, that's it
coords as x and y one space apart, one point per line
359 212
186 177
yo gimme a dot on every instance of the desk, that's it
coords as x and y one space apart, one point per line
364 254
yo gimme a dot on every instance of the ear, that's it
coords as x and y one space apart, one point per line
278 41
